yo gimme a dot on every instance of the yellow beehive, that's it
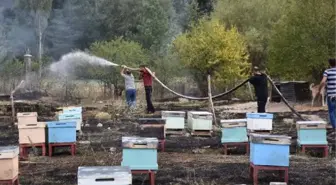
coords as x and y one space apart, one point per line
9 162
27 117
32 133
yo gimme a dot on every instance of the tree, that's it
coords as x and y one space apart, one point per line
303 40
39 10
253 19
120 51
210 48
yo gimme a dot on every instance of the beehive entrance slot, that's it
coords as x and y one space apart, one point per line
233 123
26 114
312 126
60 123
262 116
104 179
31 125
271 139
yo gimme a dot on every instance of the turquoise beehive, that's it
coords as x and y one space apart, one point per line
140 153
269 150
71 116
61 131
234 131
312 132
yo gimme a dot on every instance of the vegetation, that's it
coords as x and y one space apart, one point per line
178 38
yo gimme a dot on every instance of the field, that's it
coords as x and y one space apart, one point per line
187 160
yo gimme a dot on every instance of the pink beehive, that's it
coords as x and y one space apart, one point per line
9 162
32 133
27 117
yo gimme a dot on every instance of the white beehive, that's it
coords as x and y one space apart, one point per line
104 175
174 119
199 120
32 133
259 121
278 183
9 162
27 117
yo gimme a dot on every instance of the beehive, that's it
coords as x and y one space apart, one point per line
27 117
199 120
174 119
71 116
259 121
269 150
72 110
312 132
61 131
139 153
278 183
9 162
32 133
152 127
234 130
104 175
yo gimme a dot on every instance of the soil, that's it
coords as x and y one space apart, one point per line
187 160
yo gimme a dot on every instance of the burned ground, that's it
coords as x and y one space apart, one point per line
187 161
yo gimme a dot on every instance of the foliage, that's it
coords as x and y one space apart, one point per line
303 40
254 19
211 48
120 51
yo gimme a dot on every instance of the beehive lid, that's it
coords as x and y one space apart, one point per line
200 113
103 172
278 183
311 122
69 116
9 152
139 142
152 121
233 123
173 113
26 114
270 139
61 124
259 115
72 109
32 125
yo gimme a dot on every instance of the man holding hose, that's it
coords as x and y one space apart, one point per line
148 84
259 81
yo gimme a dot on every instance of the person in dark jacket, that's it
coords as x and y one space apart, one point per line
259 82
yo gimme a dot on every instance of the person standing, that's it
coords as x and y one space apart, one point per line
259 82
129 87
329 79
148 84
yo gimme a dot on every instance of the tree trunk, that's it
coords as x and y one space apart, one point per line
211 106
40 47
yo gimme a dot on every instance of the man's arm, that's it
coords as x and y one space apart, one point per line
122 71
252 80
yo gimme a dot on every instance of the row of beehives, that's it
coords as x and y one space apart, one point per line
62 131
309 132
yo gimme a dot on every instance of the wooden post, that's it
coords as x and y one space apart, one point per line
211 106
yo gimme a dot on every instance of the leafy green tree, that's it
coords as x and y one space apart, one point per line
210 48
303 40
254 19
120 51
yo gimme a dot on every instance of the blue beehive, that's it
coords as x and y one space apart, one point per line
269 150
71 116
140 153
234 131
312 133
61 131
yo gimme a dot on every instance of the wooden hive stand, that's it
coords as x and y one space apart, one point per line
324 147
24 149
71 145
254 169
151 175
14 181
162 144
246 144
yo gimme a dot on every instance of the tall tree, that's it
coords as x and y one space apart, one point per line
39 10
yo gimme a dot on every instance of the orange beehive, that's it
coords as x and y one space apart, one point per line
27 117
9 162
32 133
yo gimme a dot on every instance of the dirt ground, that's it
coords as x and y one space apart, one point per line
187 161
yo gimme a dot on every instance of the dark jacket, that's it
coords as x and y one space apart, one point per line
259 81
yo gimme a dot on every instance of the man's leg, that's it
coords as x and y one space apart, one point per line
332 111
261 106
133 98
150 107
128 97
